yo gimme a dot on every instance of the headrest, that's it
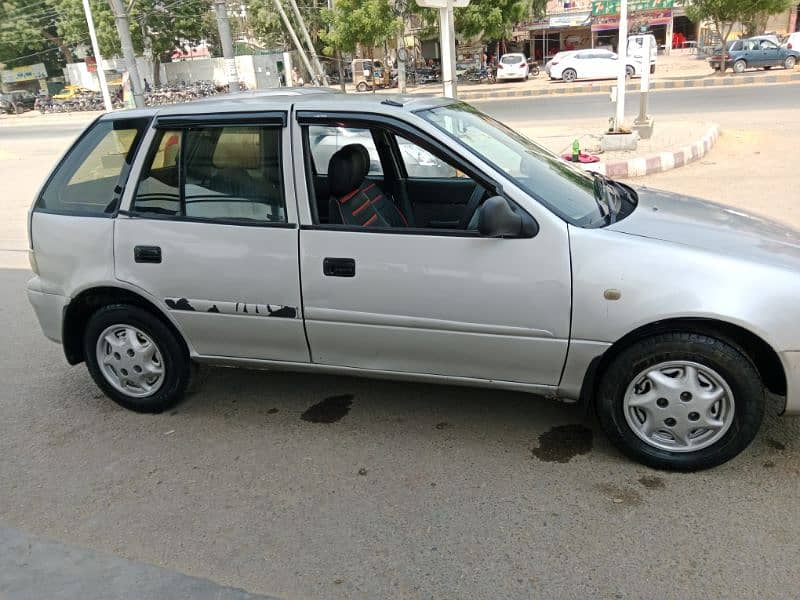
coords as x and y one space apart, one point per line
347 169
238 150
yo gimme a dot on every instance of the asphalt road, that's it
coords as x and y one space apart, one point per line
712 101
411 491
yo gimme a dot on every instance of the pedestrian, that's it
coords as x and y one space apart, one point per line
147 88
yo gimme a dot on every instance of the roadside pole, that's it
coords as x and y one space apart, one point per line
401 64
622 54
124 32
323 79
101 74
226 41
643 123
294 37
447 40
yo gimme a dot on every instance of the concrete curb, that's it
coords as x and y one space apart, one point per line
658 163
560 89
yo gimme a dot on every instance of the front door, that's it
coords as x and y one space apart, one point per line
209 235
431 296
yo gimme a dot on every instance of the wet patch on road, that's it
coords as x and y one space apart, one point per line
652 482
618 495
443 425
775 444
563 443
272 411
768 464
330 410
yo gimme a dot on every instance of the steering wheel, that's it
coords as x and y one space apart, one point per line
473 204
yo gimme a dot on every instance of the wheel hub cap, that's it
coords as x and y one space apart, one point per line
680 406
130 361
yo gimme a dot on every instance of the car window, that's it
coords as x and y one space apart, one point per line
511 59
87 180
324 141
767 45
218 173
420 163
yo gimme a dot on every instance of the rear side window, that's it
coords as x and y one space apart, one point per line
90 179
217 173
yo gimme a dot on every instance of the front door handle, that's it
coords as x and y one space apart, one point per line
147 254
339 267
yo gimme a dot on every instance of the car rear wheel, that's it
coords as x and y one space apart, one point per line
361 87
789 62
569 75
681 401
135 358
629 71
739 66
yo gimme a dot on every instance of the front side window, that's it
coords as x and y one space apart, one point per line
89 179
325 140
228 173
565 189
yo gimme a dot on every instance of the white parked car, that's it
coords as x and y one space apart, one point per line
512 66
591 64
434 244
792 41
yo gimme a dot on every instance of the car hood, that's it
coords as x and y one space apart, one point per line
712 227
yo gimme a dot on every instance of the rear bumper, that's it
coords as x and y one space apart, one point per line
49 309
791 366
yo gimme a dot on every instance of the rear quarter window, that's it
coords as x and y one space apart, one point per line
90 178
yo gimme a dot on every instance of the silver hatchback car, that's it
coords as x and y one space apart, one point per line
414 239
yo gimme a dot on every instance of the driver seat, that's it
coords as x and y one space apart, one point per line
354 200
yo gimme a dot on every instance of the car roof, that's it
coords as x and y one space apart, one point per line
274 100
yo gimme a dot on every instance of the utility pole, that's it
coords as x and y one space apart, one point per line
400 7
293 35
124 32
622 57
342 84
101 74
447 40
320 73
226 40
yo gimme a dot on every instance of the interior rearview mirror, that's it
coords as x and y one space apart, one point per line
497 219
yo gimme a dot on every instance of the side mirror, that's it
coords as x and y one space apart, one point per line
497 219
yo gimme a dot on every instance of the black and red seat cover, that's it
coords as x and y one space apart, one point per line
354 199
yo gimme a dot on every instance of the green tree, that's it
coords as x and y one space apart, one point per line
724 14
28 34
353 22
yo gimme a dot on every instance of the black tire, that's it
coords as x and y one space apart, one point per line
725 358
362 86
739 66
176 363
629 72
790 62
569 75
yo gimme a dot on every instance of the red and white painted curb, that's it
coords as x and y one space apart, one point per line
664 161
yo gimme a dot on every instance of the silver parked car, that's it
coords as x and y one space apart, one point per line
431 244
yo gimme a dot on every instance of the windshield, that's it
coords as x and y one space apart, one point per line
568 191
510 59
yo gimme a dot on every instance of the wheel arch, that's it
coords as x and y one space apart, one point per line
82 306
761 354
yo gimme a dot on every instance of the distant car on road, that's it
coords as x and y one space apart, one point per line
754 53
513 67
17 101
591 64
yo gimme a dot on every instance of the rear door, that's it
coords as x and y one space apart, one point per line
210 236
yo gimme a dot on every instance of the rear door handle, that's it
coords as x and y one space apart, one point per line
147 254
339 267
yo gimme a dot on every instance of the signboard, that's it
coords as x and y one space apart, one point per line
570 20
91 64
24 73
651 17
611 7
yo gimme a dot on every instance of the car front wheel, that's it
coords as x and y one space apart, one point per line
135 358
681 401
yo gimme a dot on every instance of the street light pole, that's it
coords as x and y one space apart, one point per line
447 31
323 79
101 74
622 53
226 41
126 43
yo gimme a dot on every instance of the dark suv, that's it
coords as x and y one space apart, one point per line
754 53
17 101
